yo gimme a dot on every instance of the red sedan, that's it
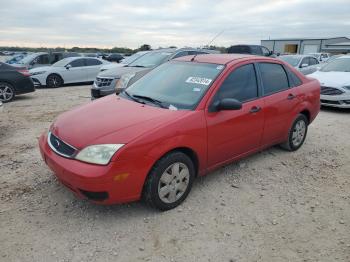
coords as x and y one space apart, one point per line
182 120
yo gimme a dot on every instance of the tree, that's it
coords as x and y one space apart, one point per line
145 47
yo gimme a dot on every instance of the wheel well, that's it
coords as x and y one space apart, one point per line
306 113
190 153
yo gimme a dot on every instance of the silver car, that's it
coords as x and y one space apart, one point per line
117 79
306 64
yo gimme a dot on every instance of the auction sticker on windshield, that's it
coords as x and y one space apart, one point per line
199 80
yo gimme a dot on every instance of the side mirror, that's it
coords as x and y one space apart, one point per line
68 66
304 65
225 104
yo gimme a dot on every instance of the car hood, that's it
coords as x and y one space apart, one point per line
119 71
111 66
40 69
110 120
333 79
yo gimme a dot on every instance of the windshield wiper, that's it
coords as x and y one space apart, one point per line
152 100
133 98
138 66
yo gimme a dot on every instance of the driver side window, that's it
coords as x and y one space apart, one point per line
241 84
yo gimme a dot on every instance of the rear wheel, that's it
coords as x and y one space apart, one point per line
7 92
169 181
297 133
54 81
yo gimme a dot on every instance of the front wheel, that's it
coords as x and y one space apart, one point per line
297 134
54 81
169 181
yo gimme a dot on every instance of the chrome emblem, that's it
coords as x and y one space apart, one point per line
57 143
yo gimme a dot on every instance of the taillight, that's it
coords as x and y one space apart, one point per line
24 72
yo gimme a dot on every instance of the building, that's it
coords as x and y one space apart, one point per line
334 45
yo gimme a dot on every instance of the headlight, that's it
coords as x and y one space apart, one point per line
38 73
346 87
98 154
124 80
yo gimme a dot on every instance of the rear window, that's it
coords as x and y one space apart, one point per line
239 50
274 78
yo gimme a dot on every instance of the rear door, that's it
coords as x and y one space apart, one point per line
233 133
92 68
77 72
280 101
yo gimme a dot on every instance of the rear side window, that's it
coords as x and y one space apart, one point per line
77 63
313 61
92 62
294 80
241 84
273 77
239 50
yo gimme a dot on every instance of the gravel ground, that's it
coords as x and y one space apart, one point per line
272 206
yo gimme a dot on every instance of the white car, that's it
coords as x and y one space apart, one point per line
67 71
322 57
306 64
335 82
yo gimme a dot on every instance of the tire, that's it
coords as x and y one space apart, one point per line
7 92
54 81
169 181
296 134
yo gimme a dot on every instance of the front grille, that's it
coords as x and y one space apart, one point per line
330 102
330 91
103 81
60 147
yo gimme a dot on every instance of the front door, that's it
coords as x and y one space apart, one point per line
76 72
233 133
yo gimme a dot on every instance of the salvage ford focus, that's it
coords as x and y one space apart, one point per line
182 120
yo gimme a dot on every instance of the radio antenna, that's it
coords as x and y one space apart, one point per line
216 36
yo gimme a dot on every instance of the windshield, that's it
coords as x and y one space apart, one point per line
132 58
62 63
315 55
27 59
151 59
338 65
292 60
178 85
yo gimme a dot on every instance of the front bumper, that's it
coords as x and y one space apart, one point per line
105 90
340 101
118 182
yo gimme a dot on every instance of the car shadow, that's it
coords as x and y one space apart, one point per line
66 85
141 209
335 110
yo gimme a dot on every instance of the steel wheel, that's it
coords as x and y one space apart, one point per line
296 134
6 92
299 132
173 182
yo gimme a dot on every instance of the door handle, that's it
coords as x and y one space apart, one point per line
291 97
255 109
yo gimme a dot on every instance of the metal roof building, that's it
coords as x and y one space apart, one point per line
333 45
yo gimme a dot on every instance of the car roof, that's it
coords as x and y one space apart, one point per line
222 59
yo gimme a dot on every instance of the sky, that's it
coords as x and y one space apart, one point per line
163 23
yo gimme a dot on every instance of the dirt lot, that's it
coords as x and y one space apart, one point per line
273 206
